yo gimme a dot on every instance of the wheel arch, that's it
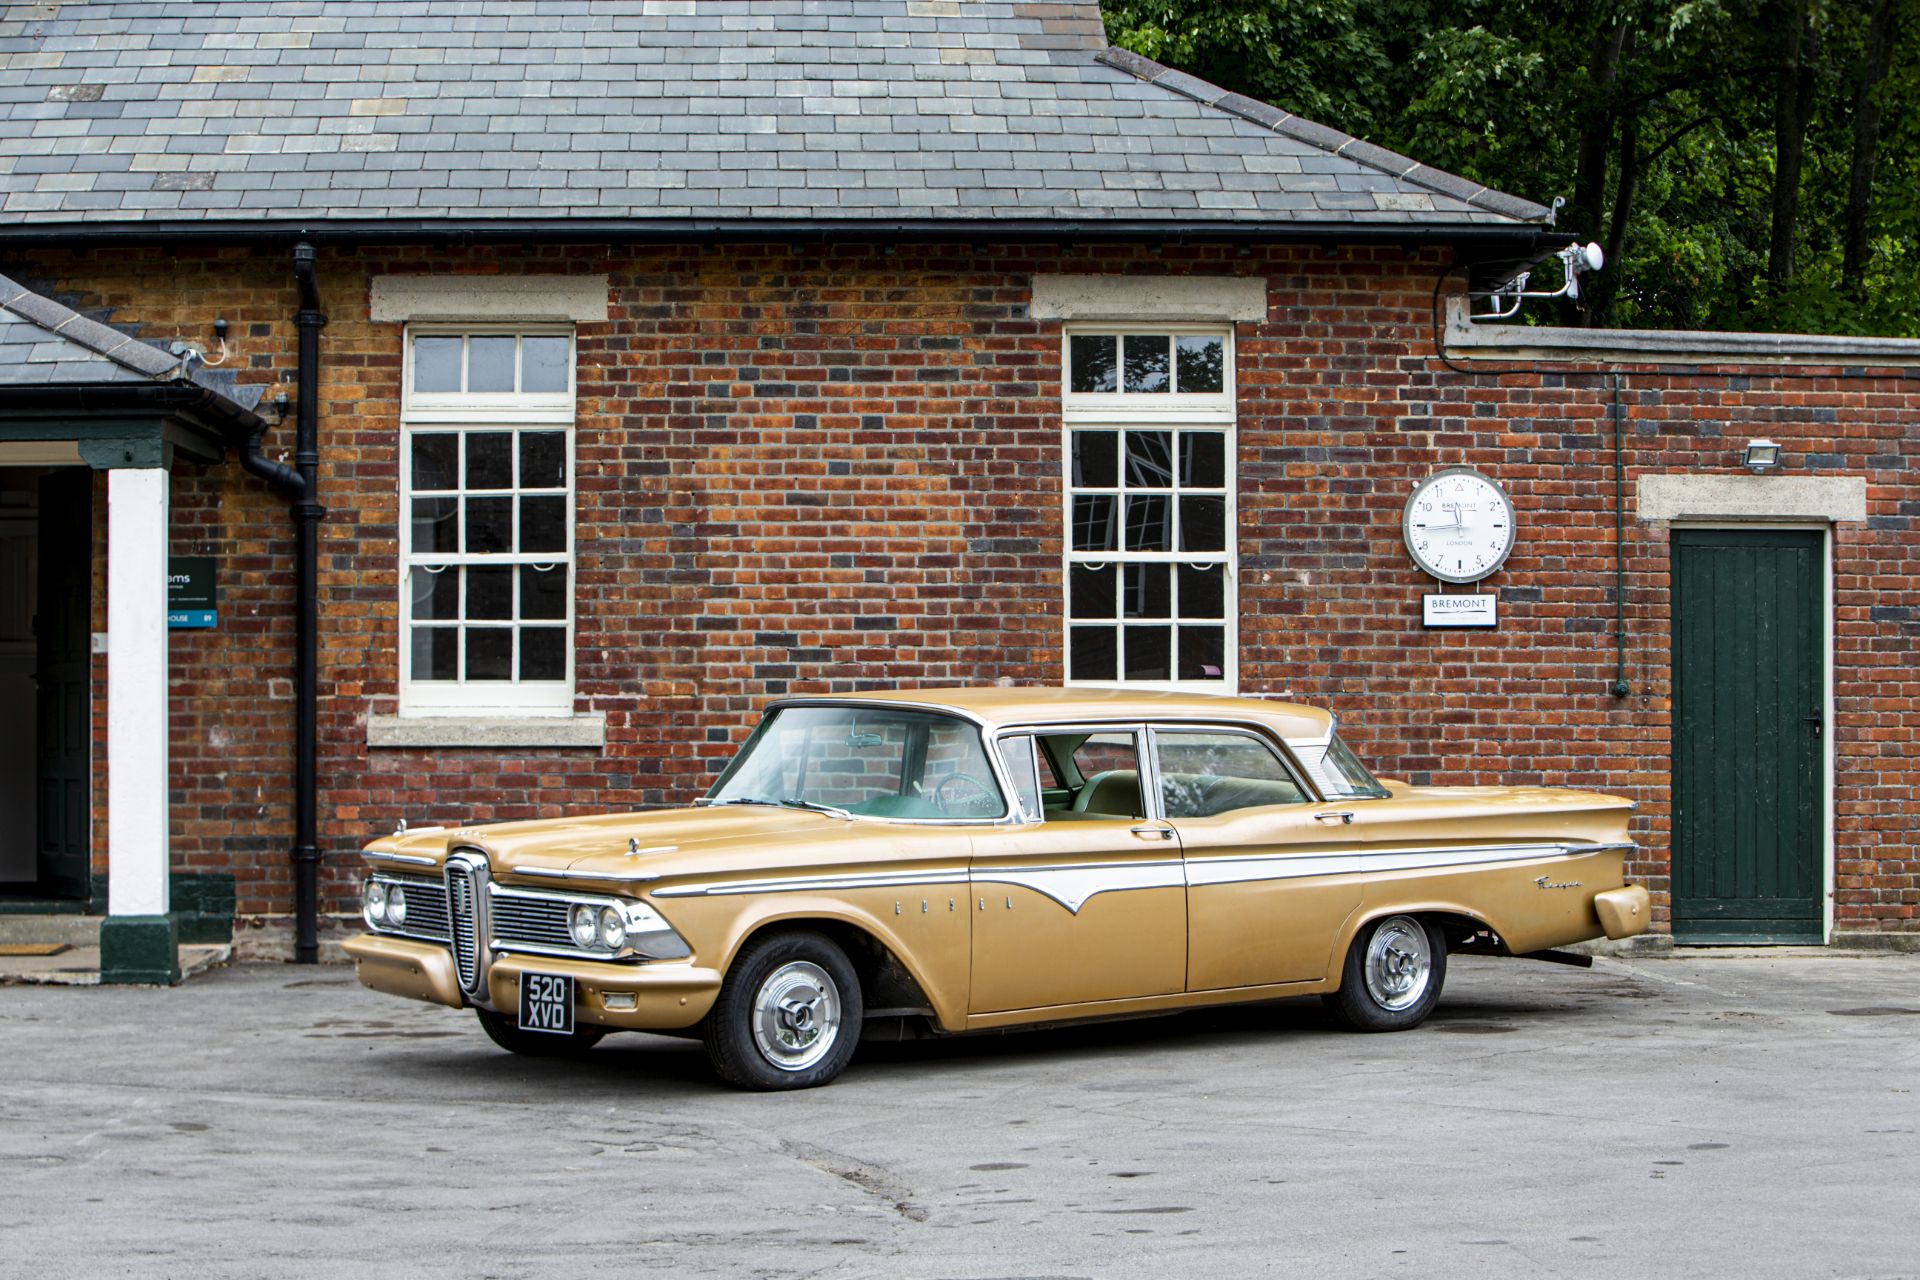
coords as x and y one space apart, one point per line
1458 925
888 978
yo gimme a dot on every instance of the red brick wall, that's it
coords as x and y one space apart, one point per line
807 468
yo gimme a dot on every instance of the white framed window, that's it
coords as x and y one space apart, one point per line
486 528
1148 416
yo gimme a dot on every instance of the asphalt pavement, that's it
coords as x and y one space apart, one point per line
1701 1115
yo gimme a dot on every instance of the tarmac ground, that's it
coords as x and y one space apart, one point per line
1707 1114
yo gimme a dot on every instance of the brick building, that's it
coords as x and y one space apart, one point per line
661 358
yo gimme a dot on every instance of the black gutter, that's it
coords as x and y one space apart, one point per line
1521 238
204 403
301 484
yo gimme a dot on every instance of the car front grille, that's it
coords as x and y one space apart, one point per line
426 909
530 920
463 902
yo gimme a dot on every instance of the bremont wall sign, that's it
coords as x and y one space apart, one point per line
1460 610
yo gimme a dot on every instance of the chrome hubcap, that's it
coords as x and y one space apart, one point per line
1399 963
796 1016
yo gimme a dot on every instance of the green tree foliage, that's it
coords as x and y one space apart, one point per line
1747 164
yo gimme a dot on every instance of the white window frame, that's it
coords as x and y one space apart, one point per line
439 412
1122 411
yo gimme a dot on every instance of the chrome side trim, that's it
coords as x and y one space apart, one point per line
406 859
792 884
609 877
1073 886
1288 866
1240 869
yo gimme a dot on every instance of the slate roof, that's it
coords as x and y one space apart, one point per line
734 111
43 341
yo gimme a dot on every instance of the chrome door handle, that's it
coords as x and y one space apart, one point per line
1165 833
1342 816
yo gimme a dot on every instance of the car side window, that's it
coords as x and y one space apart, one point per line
1023 767
1108 769
1203 775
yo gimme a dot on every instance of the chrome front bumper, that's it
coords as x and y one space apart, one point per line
665 995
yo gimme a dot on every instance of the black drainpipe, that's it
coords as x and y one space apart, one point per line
301 482
1619 688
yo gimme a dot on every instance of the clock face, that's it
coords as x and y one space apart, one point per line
1458 525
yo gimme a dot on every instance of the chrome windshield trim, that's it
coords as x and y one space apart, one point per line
605 877
406 859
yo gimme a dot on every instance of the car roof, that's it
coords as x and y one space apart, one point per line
999 706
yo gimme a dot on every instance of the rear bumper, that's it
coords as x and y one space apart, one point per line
1624 912
664 996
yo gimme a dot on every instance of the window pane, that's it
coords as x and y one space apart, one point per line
436 461
543 366
490 364
489 524
1093 523
1206 774
543 592
1203 524
1149 653
1202 364
1149 524
1095 460
435 594
1090 591
1090 653
1092 357
543 459
490 593
1146 356
1203 460
1150 459
543 653
1203 591
543 524
436 653
1017 753
436 364
436 524
1203 653
1148 591
489 460
489 653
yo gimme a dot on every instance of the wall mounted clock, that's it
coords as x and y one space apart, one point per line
1459 525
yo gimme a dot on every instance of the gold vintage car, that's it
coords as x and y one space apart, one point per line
966 859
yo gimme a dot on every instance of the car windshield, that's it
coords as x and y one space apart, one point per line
1336 770
865 762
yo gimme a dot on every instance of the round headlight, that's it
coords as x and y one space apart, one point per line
584 926
396 906
613 929
376 902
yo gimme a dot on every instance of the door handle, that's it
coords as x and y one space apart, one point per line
1816 721
1164 833
1342 816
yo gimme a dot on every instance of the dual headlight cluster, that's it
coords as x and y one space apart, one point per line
386 904
597 928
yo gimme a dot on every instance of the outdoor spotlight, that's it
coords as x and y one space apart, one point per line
584 924
1762 455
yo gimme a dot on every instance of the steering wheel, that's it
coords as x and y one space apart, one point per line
980 793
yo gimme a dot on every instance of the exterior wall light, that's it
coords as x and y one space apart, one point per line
1761 456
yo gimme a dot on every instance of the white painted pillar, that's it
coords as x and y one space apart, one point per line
137 691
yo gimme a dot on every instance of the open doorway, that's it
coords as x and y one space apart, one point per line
46 529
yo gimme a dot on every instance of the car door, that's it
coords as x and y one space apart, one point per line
1086 900
1271 872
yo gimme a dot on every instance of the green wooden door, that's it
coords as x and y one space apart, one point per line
1748 798
61 628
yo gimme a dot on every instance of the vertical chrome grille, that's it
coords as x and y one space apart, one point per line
463 909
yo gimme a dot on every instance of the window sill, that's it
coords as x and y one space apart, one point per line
485 731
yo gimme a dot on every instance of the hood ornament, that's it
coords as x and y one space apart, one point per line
401 829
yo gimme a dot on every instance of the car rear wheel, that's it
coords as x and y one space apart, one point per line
1393 975
504 1030
788 1015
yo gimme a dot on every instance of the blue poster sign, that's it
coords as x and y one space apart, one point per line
190 593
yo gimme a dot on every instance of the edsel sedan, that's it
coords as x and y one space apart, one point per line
961 860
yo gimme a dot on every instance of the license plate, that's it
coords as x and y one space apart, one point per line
546 1003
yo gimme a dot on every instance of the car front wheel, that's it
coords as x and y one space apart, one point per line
504 1030
1393 975
788 1015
